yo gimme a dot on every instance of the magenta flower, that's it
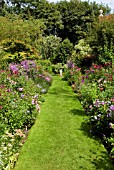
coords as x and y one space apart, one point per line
47 79
8 90
112 107
14 68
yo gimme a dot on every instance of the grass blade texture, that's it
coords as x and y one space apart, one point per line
58 140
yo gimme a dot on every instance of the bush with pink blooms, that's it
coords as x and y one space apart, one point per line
95 89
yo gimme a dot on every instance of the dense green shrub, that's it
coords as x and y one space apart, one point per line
17 51
14 28
82 54
63 52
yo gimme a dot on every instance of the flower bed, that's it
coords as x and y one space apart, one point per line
95 89
21 87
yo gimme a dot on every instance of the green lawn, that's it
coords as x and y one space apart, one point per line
57 141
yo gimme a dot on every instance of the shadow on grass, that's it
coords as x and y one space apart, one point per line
64 94
102 161
77 112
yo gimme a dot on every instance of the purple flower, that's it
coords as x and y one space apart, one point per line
112 107
102 102
25 64
14 68
28 64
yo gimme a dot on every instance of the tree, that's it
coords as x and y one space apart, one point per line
77 18
63 52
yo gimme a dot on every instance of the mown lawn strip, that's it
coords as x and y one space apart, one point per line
58 141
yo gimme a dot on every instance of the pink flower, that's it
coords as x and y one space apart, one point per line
47 79
20 89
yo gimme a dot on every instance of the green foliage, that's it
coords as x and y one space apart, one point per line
49 47
77 18
81 52
17 51
14 28
63 52
102 39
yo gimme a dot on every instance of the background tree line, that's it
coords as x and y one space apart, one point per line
62 25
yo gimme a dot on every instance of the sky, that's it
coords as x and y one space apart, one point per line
109 2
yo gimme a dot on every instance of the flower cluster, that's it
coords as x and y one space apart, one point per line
96 94
20 101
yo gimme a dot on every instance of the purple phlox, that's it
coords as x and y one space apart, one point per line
102 102
112 107
14 68
26 64
82 80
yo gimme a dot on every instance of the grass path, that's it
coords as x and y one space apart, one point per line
57 140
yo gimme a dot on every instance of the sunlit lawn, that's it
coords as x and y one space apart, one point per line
57 141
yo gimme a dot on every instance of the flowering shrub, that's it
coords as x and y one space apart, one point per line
20 100
96 93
